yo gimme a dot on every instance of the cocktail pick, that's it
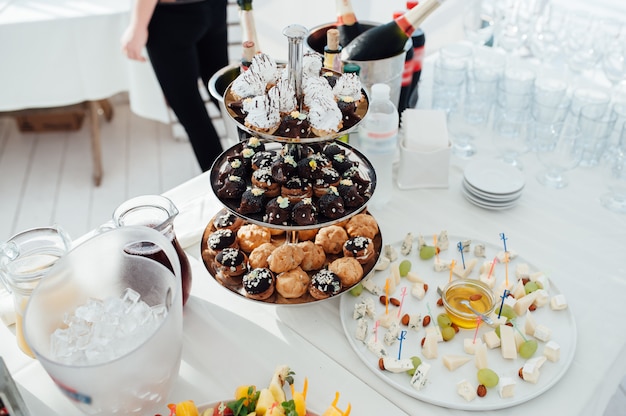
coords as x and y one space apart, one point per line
460 247
503 238
387 296
479 320
428 309
401 338
513 321
452 264
506 268
435 245
402 295
334 405
493 263
504 295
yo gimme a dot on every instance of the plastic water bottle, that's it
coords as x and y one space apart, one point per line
378 140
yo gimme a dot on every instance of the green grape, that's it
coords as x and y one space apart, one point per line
427 252
530 287
357 290
416 362
404 267
528 348
488 377
447 333
443 320
497 330
508 311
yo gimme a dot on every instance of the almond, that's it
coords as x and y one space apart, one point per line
405 319
383 299
381 363
440 302
426 321
481 391
394 301
475 297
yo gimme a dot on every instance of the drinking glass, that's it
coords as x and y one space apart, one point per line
596 127
614 63
560 152
510 136
477 22
615 198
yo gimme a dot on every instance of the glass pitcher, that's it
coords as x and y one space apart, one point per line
24 261
157 212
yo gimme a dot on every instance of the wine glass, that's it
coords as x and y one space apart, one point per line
615 198
614 63
559 152
477 22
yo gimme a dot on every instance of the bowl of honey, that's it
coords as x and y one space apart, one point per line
479 295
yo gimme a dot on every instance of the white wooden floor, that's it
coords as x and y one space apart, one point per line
46 178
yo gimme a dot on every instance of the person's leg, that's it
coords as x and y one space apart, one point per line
173 33
212 48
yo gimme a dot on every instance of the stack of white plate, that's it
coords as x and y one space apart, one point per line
492 184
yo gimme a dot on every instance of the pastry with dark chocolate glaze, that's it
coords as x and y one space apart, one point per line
262 178
255 144
233 188
294 125
330 177
350 194
221 239
296 189
331 204
341 162
263 159
226 219
283 168
362 184
304 212
252 201
324 284
309 169
234 165
259 283
278 211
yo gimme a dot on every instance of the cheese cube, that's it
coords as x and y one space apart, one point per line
395 273
387 319
497 321
420 242
480 356
542 333
488 280
442 241
453 361
407 245
558 302
382 264
370 286
542 280
415 321
441 265
522 304
485 267
491 339
417 290
391 336
435 330
522 271
364 309
530 369
501 255
552 351
390 252
419 379
376 347
464 272
466 390
507 342
479 250
519 339
361 330
429 350
518 290
511 301
397 366
469 345
542 298
507 387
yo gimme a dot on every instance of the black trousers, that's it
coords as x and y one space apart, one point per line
187 42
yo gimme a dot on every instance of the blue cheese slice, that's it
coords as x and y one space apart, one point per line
479 250
415 321
376 347
419 379
407 244
441 265
442 241
397 366
466 390
361 329
454 361
370 286
390 252
382 263
391 336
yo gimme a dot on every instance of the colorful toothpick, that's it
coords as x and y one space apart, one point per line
506 267
460 247
376 325
503 238
479 320
504 295
401 338
402 295
513 321
387 296
452 264
435 245
493 263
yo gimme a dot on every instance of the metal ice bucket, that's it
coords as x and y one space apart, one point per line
218 84
386 71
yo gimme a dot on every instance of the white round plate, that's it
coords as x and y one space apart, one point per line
441 387
494 176
488 204
491 197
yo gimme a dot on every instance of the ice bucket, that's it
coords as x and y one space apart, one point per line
218 84
386 71
134 378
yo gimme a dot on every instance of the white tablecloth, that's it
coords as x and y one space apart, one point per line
62 52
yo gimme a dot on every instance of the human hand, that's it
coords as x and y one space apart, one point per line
133 42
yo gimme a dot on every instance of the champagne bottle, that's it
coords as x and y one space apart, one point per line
419 40
388 39
332 51
247 54
248 28
347 23
407 76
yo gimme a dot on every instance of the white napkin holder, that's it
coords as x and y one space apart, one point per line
424 150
